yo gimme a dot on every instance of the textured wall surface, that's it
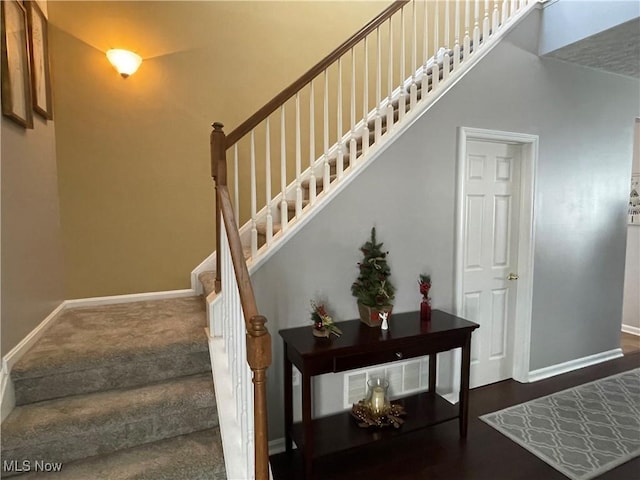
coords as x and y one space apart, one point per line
584 119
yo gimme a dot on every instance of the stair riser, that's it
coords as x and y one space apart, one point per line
122 375
197 456
113 435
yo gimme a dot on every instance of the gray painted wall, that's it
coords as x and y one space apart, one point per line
585 122
32 264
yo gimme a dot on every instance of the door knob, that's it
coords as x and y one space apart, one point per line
512 276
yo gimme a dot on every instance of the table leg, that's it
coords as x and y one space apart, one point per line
464 386
433 368
308 428
288 401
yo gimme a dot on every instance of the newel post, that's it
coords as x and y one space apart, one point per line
259 359
219 174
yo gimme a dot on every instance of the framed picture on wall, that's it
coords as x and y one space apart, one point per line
16 83
39 54
634 200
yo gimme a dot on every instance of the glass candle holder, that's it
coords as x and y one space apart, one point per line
378 395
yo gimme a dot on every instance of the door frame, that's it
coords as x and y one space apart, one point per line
526 235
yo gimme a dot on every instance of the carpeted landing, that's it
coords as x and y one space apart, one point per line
116 392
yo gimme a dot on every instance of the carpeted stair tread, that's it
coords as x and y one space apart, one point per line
291 204
70 428
196 456
262 228
208 281
113 346
319 180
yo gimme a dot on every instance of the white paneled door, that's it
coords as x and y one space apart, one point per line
490 215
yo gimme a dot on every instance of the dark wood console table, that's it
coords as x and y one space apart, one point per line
362 346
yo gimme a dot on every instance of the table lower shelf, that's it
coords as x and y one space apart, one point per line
340 431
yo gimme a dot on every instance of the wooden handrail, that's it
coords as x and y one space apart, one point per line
239 264
258 337
255 119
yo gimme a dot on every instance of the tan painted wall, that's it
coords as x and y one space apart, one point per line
136 196
32 265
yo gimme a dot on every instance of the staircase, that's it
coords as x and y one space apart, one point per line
287 161
119 391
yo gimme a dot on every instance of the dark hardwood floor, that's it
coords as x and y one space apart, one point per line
438 453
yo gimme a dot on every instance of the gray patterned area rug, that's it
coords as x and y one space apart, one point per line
581 432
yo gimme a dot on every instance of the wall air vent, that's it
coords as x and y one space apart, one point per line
404 379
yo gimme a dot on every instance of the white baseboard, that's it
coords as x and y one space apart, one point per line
8 400
631 330
9 360
565 367
129 298
278 446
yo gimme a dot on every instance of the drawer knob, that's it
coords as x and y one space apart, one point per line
398 355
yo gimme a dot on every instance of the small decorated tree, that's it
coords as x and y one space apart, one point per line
373 288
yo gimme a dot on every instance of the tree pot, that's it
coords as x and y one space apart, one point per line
371 315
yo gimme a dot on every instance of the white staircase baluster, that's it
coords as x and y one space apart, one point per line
446 59
365 99
435 77
241 359
284 208
425 78
446 64
340 158
495 18
413 88
224 265
466 45
378 121
251 428
236 189
402 99
298 160
456 46
390 79
486 23
245 391
352 142
505 12
254 227
326 178
226 322
267 183
476 26
447 19
513 8
312 144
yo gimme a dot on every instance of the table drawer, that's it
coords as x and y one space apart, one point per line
358 360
